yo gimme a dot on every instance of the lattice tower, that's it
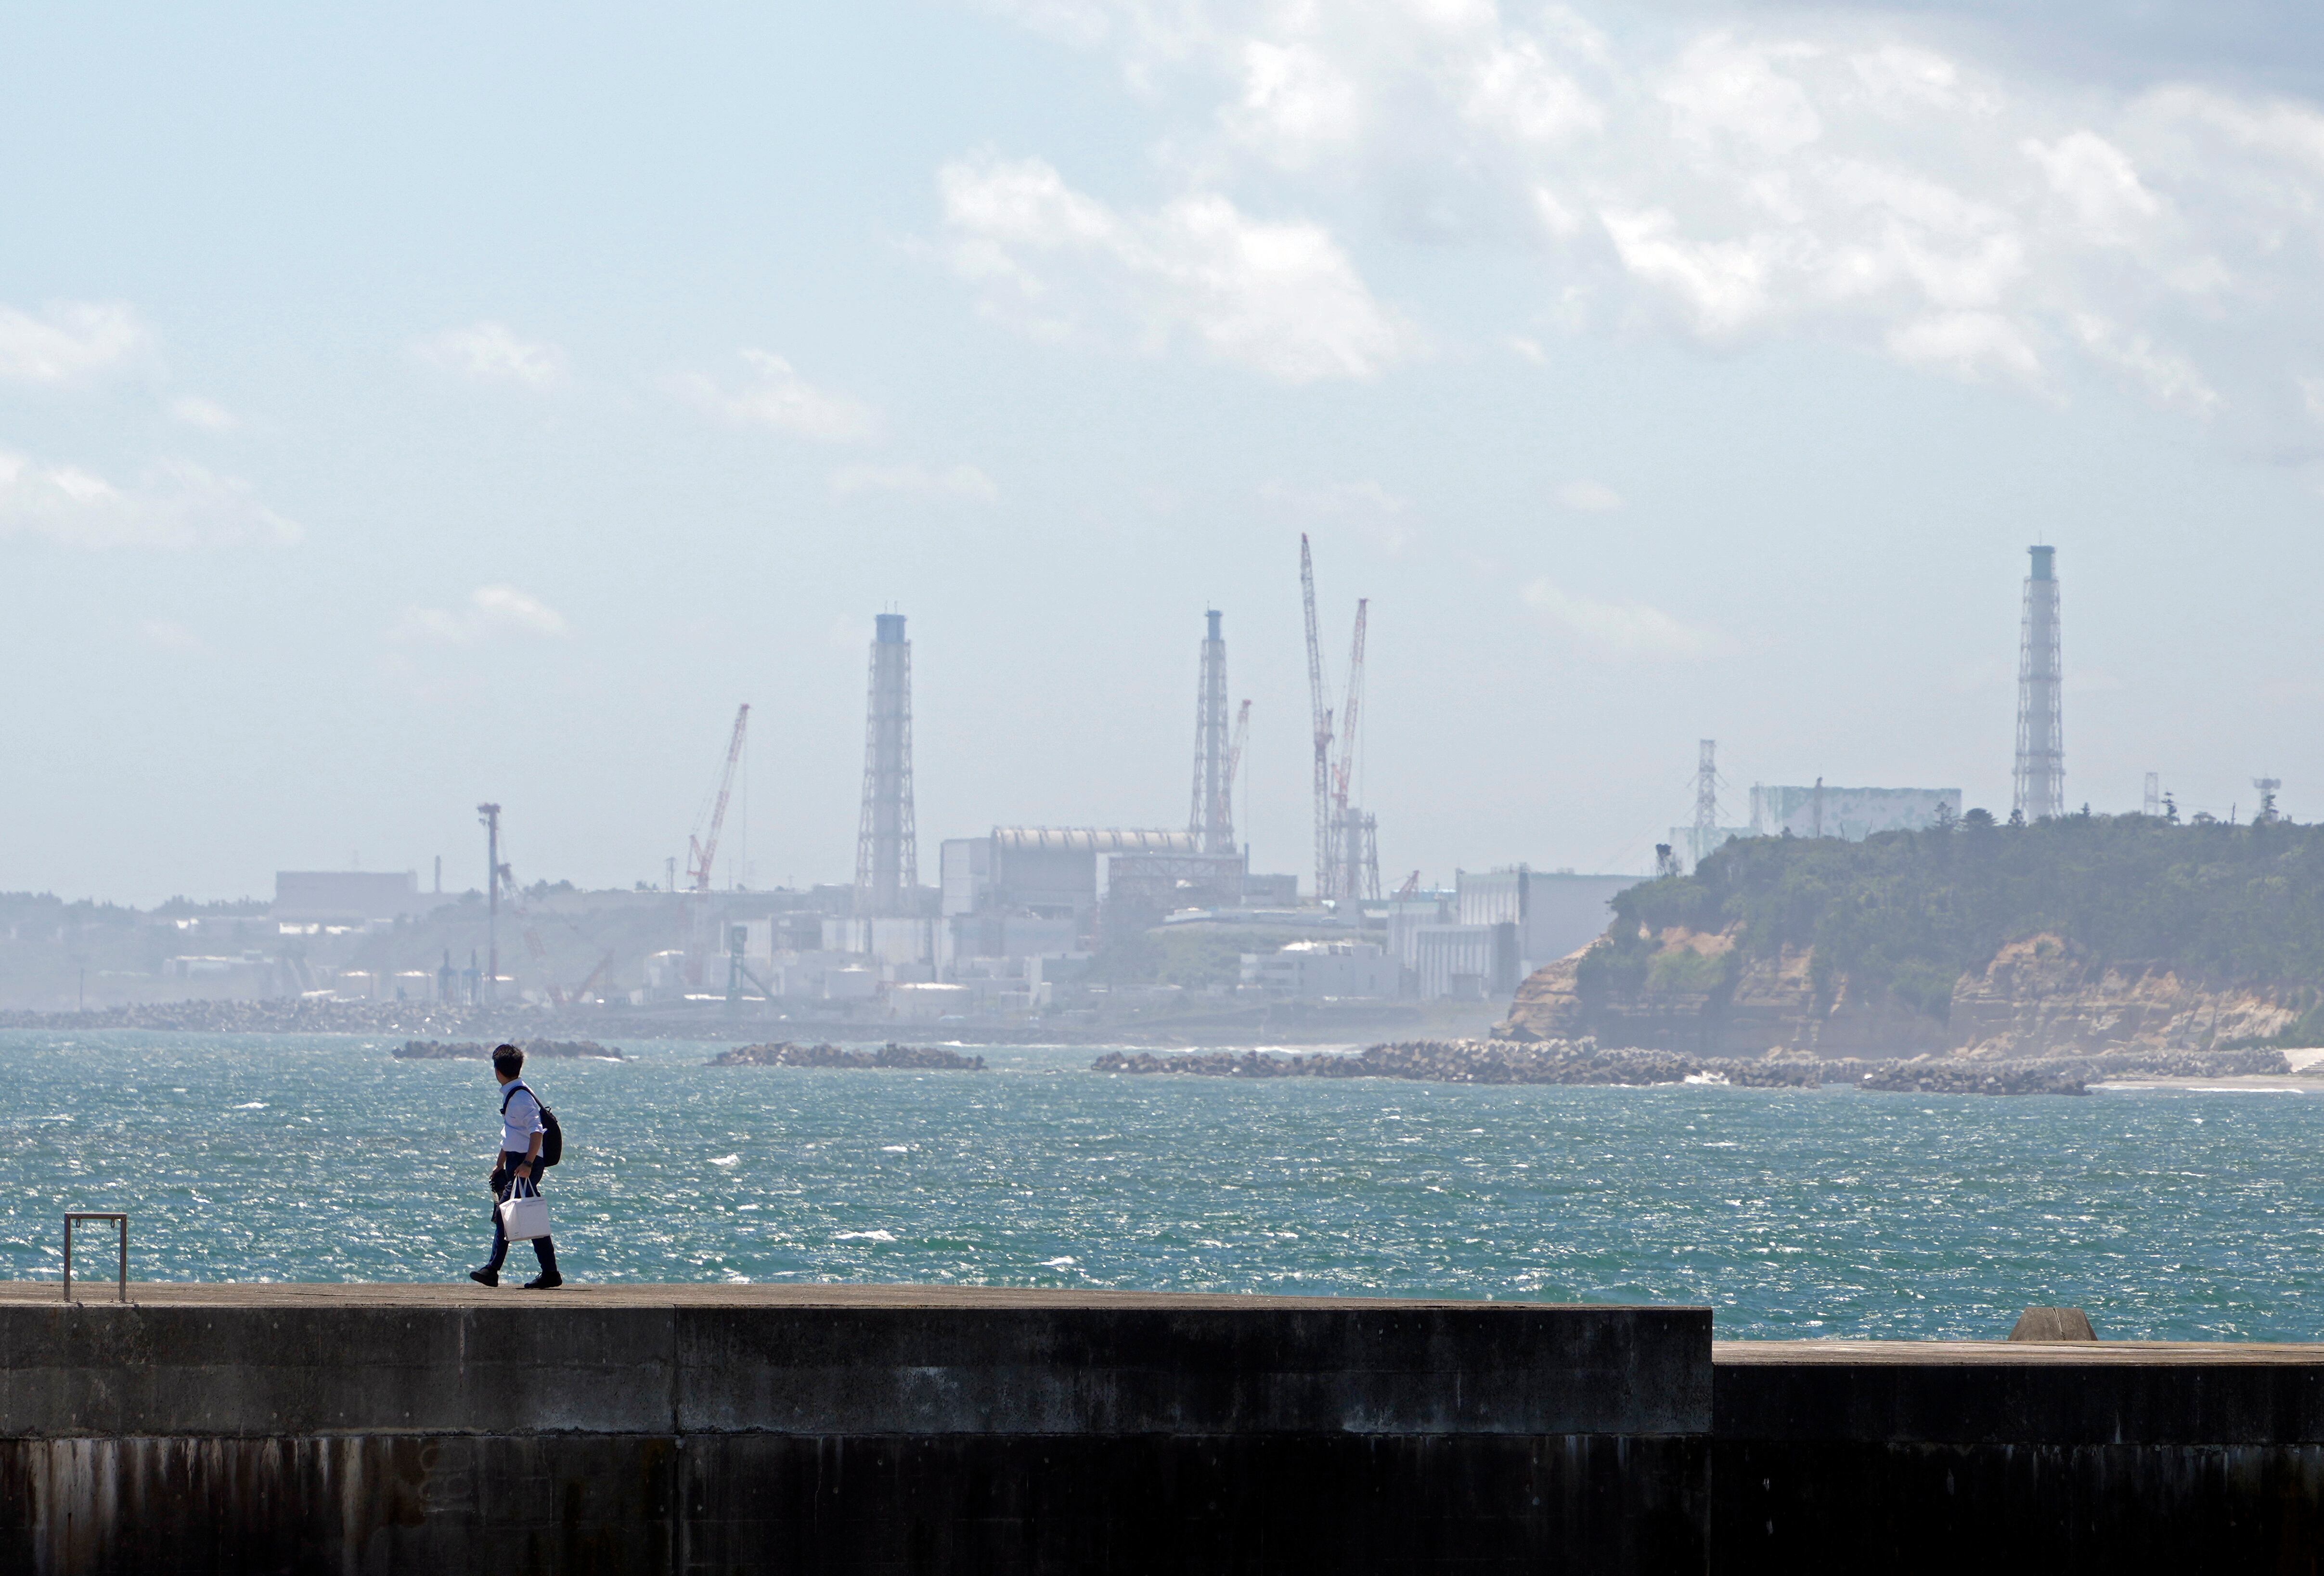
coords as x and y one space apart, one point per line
1210 817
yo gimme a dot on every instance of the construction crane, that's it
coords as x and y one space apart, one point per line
703 850
1326 885
1355 851
581 992
1344 773
1411 885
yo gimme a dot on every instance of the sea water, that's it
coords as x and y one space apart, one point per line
1834 1212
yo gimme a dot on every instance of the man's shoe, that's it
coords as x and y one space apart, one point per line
486 1277
547 1281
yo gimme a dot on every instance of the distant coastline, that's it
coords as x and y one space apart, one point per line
1585 1063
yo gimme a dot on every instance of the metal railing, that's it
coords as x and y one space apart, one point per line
121 1285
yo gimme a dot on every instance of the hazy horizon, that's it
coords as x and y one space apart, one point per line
400 411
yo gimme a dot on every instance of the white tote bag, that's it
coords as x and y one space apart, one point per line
524 1216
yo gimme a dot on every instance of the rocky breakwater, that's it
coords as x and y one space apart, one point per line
1461 1062
785 1054
1584 1062
478 1051
1705 993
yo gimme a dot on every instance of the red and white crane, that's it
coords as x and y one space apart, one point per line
703 848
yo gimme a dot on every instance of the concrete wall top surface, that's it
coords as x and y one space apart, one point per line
92 1290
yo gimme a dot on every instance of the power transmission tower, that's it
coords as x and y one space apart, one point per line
2153 806
1706 799
2040 774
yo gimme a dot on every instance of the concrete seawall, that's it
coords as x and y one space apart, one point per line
1903 1457
833 1429
358 1429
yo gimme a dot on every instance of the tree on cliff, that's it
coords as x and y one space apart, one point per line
1907 913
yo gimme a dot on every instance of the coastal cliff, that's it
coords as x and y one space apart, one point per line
2039 997
2085 936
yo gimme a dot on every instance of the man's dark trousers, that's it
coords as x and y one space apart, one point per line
513 1166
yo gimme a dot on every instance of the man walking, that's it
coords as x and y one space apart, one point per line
517 1167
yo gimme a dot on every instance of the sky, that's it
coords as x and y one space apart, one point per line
403 408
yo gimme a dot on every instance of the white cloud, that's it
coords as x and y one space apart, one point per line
1589 497
776 396
1295 103
1899 80
67 341
2171 380
2097 184
1845 175
1518 89
1968 345
192 411
1724 285
491 352
1721 91
1628 628
180 506
1278 297
960 482
491 609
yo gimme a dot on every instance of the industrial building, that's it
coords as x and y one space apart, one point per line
347 896
1321 970
1554 913
1850 813
1816 810
1061 872
1495 927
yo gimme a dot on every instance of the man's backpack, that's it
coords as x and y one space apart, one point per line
552 1136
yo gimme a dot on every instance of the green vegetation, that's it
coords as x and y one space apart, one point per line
1683 969
1907 913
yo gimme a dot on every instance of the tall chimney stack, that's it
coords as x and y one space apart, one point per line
887 842
2041 780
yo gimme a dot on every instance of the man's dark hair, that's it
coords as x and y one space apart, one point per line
508 1059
